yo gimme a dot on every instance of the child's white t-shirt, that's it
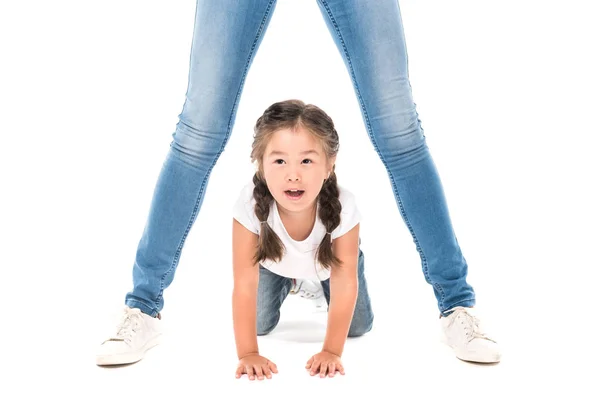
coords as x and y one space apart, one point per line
299 257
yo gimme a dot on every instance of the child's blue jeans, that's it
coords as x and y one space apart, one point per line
370 38
273 290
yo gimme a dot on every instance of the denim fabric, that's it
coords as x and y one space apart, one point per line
370 38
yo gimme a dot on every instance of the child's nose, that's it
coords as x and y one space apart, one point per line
293 175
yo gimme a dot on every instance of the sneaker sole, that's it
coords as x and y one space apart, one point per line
472 357
127 358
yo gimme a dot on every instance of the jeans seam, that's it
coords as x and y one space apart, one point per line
225 139
370 133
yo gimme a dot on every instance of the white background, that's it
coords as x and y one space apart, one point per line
508 97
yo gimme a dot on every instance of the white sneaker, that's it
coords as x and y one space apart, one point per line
309 289
136 333
463 332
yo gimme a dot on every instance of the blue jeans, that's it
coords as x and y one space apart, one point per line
370 38
273 290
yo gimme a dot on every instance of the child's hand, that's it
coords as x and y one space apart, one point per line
255 364
325 362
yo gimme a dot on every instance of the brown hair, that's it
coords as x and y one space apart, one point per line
292 114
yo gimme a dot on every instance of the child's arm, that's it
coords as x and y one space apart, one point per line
245 286
343 291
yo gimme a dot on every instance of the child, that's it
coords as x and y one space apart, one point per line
293 222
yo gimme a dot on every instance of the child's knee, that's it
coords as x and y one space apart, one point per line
264 326
359 328
264 330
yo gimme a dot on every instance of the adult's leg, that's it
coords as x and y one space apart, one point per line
370 37
227 34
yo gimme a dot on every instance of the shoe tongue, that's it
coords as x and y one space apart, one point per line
134 311
469 310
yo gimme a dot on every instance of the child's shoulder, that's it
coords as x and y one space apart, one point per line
246 193
344 190
243 209
350 214
347 197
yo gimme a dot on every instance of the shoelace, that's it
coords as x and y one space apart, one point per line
471 324
128 325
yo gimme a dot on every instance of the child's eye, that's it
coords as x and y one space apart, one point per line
277 161
306 159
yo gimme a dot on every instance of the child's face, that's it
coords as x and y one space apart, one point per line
295 160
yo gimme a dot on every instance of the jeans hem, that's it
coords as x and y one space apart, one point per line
143 307
462 303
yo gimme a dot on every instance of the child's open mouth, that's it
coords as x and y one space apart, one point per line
294 194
